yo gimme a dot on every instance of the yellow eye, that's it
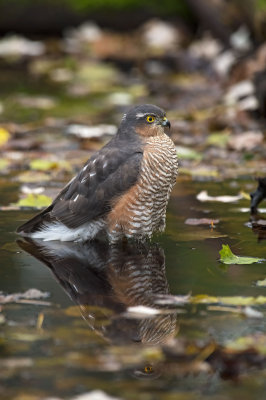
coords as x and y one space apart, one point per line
150 118
148 369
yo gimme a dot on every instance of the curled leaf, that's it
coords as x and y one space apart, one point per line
227 257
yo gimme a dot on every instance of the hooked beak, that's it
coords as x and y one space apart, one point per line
166 122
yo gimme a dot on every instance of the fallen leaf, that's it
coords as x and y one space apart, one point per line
29 295
200 171
32 177
47 165
185 153
3 163
261 283
34 201
87 132
41 102
218 139
201 221
203 196
227 257
246 140
257 342
4 136
228 300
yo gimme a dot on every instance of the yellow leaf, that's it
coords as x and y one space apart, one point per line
4 136
34 201
43 165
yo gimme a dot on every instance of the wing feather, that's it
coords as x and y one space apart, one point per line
107 174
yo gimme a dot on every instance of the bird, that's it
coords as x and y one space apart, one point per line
122 191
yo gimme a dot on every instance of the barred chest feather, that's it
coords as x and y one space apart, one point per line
142 210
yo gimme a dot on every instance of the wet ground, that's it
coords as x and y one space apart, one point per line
88 338
200 330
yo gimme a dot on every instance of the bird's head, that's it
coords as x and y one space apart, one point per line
146 120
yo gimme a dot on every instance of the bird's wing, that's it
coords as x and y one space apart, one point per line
107 175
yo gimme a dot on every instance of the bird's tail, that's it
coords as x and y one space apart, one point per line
35 223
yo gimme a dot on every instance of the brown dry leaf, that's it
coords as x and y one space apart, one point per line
246 140
32 177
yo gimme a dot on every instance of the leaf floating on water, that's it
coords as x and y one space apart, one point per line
4 136
257 342
204 172
32 177
261 283
29 295
229 300
34 201
204 196
201 221
227 257
48 165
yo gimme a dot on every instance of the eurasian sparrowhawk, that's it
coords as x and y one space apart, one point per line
122 190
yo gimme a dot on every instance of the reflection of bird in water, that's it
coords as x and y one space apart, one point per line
257 222
258 195
112 278
258 225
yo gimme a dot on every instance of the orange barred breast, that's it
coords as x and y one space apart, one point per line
142 210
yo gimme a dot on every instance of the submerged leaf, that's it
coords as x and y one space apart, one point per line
227 257
34 201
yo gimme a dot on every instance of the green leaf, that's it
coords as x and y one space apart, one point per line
218 139
227 257
185 153
34 201
47 165
3 163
